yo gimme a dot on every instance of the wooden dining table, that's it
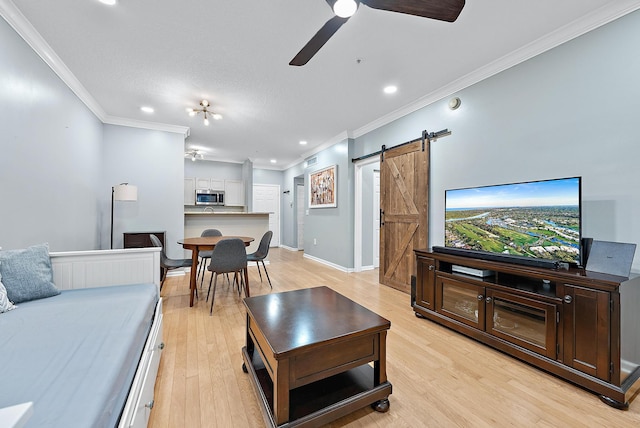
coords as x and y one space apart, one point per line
206 243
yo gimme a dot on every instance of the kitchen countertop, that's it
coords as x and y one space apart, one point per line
224 213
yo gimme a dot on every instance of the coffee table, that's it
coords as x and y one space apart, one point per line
307 353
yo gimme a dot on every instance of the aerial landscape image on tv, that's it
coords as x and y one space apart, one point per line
537 219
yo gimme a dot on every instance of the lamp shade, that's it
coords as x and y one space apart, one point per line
125 192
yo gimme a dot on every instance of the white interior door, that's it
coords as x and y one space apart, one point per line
300 215
376 218
266 198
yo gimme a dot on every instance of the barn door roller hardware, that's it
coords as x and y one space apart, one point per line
426 135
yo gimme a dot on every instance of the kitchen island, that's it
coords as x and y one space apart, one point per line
229 223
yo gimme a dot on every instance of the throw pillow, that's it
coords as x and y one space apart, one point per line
5 303
27 273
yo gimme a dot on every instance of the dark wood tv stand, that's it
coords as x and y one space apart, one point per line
568 322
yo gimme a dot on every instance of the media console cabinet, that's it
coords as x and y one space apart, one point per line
581 326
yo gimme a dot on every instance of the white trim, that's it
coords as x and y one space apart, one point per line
285 247
23 27
324 262
357 211
589 22
370 267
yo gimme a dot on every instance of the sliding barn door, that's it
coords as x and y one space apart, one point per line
404 187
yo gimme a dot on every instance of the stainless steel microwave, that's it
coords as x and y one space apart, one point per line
209 197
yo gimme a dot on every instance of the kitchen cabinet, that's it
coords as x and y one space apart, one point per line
189 191
234 193
568 322
209 183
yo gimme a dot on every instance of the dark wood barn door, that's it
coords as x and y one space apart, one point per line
404 187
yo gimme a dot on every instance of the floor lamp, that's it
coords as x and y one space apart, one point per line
122 192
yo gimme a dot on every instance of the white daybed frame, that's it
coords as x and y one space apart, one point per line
87 269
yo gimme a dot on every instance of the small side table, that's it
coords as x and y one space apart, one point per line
142 240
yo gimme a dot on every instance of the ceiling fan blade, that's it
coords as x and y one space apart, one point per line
317 41
442 10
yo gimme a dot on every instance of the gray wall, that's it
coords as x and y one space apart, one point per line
572 111
212 169
50 155
59 162
151 160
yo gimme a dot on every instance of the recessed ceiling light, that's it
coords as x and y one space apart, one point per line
147 109
109 2
303 143
273 161
391 89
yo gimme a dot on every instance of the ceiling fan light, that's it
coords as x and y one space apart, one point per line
204 103
206 121
345 8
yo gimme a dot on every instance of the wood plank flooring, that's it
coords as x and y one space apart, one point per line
440 378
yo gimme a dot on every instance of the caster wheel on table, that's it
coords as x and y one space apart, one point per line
381 406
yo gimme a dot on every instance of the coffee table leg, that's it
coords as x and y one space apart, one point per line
381 406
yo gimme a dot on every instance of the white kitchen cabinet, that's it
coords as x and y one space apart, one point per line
216 184
202 183
189 191
234 193
209 184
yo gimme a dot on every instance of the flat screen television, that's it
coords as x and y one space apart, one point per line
537 220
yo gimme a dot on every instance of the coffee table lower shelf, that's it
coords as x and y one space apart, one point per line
320 402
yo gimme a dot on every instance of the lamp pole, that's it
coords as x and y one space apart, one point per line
112 198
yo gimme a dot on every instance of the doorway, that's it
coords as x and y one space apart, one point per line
266 198
300 215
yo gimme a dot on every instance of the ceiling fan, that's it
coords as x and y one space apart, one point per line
442 10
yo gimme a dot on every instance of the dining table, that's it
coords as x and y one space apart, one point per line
206 243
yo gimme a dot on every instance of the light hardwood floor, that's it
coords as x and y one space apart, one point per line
440 378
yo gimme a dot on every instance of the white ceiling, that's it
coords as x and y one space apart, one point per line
170 54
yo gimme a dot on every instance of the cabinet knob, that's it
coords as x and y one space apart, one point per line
161 345
431 267
149 405
489 299
480 297
568 299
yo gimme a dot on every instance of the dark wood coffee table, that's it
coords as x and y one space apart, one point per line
307 353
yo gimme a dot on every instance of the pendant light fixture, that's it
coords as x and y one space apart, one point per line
204 104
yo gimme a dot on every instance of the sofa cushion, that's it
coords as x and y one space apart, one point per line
27 273
5 303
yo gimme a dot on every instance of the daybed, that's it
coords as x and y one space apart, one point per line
87 356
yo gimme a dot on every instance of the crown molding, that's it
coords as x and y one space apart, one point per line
134 123
23 27
587 23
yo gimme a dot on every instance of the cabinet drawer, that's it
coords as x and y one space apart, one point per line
332 359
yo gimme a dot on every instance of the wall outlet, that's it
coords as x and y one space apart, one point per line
315 242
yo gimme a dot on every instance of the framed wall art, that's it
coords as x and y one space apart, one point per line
323 188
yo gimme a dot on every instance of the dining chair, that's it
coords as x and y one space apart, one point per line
166 263
205 255
261 253
228 256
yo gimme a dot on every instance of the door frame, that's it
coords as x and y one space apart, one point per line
357 212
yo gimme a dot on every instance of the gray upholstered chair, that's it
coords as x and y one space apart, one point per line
166 263
205 255
228 256
261 254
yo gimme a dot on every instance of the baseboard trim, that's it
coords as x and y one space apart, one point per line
371 267
324 262
289 248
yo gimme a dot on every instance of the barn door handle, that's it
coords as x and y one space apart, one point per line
381 217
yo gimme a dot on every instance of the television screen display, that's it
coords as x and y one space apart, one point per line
539 219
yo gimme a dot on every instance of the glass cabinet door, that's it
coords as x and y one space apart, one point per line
461 301
528 323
